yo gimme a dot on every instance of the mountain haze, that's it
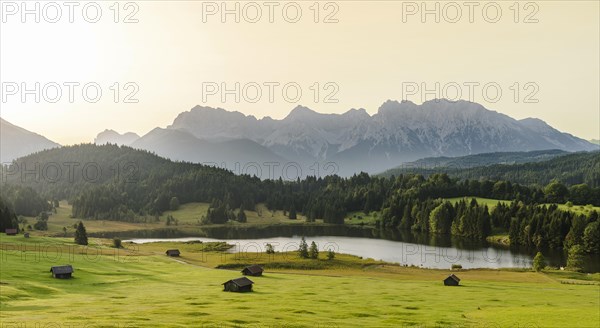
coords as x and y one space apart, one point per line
114 137
181 145
16 142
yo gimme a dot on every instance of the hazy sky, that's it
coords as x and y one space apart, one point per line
546 64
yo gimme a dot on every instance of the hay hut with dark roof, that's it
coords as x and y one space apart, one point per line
173 252
253 270
452 280
242 284
62 271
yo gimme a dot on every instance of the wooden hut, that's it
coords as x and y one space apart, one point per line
452 280
11 232
253 270
173 252
242 284
62 271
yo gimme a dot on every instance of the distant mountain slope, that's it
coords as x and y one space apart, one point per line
236 155
114 137
561 140
569 169
16 142
595 141
355 141
469 161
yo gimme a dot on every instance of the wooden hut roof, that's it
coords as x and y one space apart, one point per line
240 282
61 269
254 268
452 276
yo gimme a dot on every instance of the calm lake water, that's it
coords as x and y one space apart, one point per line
405 253
398 246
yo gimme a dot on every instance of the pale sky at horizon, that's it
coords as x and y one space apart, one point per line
369 54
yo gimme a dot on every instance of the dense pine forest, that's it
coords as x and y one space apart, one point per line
577 168
119 183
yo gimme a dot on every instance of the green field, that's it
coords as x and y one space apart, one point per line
188 218
361 218
139 286
191 214
491 203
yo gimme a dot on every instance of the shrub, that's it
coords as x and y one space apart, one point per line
41 225
117 243
456 266
42 222
330 254
270 249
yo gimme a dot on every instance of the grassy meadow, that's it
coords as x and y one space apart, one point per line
139 286
491 203
188 218
191 213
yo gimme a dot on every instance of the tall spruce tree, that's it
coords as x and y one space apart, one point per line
303 249
313 251
81 235
241 216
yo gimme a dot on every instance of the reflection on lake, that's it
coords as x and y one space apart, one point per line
398 246
436 257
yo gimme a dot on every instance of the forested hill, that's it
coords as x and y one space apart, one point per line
65 172
484 159
115 182
570 169
119 183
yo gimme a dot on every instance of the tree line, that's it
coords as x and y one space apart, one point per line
406 201
571 169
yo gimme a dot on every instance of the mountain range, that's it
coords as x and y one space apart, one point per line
350 142
309 143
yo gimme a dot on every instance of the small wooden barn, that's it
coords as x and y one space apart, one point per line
253 270
62 271
11 232
173 252
452 280
242 284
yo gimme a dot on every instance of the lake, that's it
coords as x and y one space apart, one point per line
404 253
404 247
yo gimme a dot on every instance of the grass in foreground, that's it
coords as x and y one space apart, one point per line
142 287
